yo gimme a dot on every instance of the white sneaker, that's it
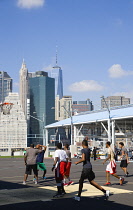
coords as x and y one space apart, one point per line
36 182
77 198
24 182
107 194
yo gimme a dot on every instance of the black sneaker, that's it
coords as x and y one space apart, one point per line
63 193
58 195
127 174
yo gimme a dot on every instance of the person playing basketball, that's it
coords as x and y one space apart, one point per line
60 163
124 158
111 167
39 160
87 172
68 167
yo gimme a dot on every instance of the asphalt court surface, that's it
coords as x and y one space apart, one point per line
15 195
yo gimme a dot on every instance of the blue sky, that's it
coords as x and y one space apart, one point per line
94 38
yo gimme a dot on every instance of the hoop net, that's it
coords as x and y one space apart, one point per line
6 107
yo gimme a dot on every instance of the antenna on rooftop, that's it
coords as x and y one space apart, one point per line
56 55
56 61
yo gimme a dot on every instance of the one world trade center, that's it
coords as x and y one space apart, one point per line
56 73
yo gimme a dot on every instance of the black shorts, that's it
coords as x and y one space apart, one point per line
123 164
87 173
29 169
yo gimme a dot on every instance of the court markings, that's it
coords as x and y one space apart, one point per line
88 190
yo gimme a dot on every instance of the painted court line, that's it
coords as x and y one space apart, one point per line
89 190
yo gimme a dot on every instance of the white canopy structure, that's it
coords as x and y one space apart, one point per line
107 120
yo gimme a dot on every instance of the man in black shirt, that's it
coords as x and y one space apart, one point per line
87 172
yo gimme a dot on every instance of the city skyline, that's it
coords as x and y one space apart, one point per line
94 41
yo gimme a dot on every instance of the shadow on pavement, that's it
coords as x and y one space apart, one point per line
10 185
97 203
130 175
124 183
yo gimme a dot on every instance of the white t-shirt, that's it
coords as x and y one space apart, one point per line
61 155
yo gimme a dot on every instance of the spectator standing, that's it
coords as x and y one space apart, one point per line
94 153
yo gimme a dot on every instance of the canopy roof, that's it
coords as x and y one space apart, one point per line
116 113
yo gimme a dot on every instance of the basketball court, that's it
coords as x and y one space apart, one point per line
14 195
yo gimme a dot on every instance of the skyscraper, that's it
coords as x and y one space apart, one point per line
23 92
5 85
56 73
42 99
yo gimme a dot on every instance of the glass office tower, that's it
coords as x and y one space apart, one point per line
56 73
42 99
5 85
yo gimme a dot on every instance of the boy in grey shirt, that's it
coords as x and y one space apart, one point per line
124 158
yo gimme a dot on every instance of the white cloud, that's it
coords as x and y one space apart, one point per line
85 85
29 4
116 71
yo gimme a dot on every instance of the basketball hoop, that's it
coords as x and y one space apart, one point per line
6 107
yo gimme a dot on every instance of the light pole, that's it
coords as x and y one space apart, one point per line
70 115
42 121
109 120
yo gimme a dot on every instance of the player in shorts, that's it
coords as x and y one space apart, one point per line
87 172
60 163
39 160
111 167
30 162
124 158
68 167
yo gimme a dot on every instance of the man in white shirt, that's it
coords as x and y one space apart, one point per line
60 163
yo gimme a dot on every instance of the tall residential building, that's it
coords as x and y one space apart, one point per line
42 103
82 106
23 87
56 73
5 85
63 107
112 101
13 127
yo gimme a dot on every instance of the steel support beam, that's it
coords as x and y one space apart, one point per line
113 134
